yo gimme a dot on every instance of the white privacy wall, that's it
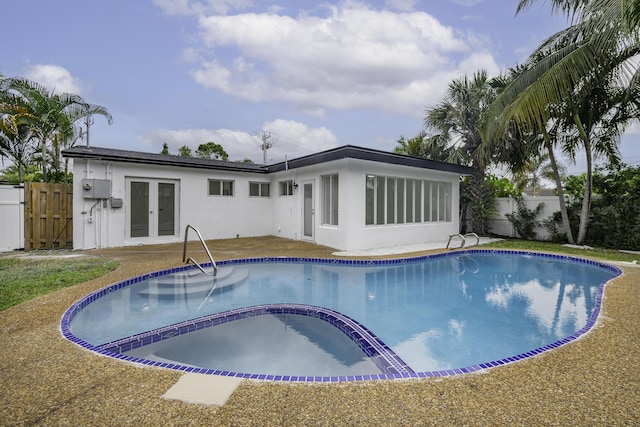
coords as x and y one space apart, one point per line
11 217
499 224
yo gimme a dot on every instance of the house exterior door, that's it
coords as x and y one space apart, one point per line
153 208
308 211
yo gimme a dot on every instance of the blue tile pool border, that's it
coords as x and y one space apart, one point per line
380 354
387 361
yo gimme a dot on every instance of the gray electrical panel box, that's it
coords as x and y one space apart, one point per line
96 188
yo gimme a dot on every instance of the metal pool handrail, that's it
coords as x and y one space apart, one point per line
206 249
464 239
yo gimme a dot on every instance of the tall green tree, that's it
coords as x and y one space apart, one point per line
53 119
15 132
603 40
211 150
535 169
593 120
425 147
458 120
563 76
184 151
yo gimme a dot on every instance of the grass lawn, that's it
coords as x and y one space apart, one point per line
529 245
24 278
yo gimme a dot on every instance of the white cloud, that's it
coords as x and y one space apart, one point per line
291 138
633 129
352 57
55 78
295 139
238 144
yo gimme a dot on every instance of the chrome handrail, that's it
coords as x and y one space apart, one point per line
472 235
463 239
206 249
451 236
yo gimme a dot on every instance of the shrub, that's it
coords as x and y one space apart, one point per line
524 219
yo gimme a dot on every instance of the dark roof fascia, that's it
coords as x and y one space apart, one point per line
127 156
344 152
353 152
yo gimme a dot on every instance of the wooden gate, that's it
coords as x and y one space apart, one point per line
48 216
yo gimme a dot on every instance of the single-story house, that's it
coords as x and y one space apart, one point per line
349 198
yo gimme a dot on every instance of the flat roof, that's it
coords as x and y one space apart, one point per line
344 152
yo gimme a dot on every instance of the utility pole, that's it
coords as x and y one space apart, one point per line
267 139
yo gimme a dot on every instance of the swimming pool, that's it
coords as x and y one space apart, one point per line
436 315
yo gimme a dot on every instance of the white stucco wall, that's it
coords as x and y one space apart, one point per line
217 217
351 233
359 236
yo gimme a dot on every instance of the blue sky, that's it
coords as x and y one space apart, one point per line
316 74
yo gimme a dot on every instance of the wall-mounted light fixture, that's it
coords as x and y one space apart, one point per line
295 185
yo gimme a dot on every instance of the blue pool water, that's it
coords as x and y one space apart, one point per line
435 314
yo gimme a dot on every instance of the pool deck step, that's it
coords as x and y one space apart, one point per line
201 284
211 390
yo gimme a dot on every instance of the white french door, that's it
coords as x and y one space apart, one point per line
153 208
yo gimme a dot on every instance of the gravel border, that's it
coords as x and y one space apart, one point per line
49 381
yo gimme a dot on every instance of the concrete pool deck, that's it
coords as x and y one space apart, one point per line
47 380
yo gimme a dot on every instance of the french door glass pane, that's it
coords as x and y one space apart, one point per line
166 209
139 209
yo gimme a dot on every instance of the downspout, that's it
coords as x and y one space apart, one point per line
108 173
84 220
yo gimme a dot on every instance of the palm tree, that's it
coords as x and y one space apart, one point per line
594 122
457 120
603 41
52 118
424 147
562 74
15 132
536 168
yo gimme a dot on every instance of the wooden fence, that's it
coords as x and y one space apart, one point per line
48 216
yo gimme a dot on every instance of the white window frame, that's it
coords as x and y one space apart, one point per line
393 200
221 187
264 188
286 188
330 197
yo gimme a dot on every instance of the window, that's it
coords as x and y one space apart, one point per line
259 189
410 211
219 187
380 202
330 199
390 200
400 201
286 188
370 199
